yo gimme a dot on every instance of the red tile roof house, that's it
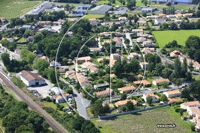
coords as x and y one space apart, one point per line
154 97
92 68
112 107
175 93
159 81
82 59
123 102
127 89
61 99
104 93
186 105
143 82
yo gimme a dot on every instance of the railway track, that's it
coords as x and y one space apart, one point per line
54 124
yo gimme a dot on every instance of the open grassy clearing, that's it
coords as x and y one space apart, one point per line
163 37
145 122
106 2
15 8
88 16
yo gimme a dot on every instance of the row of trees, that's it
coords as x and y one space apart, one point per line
184 25
17 118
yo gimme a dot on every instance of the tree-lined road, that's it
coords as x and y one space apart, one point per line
54 124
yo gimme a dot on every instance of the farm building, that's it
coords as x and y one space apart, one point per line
31 79
102 9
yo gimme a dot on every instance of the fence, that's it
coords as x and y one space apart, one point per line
131 112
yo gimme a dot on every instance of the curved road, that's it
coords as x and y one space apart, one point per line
54 124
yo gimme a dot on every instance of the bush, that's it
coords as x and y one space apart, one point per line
49 109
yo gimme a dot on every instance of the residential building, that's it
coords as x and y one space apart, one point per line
137 30
155 98
55 64
87 64
144 65
57 91
122 18
159 21
127 89
31 79
159 81
143 82
104 93
175 93
186 105
175 53
142 22
93 69
147 44
141 39
111 106
134 56
82 59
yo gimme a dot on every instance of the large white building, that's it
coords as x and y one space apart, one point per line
31 79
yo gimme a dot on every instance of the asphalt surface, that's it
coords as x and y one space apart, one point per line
54 124
81 102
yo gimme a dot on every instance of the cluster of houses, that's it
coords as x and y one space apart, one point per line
178 54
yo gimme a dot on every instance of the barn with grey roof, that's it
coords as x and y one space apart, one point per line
102 9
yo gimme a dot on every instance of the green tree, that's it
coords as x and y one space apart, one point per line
177 68
123 96
163 98
185 67
130 106
52 75
149 100
164 84
98 107
5 57
40 65
24 53
107 108
30 57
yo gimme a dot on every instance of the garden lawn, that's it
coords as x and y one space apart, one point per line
164 37
88 16
114 4
145 122
15 8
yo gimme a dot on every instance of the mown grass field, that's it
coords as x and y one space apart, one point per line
163 37
88 16
145 122
15 8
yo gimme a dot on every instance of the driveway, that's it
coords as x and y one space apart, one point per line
81 102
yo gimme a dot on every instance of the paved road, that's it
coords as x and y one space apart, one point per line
54 124
12 54
129 37
81 102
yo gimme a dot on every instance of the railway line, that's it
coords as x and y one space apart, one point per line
54 124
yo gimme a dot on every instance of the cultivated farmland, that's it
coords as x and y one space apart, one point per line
145 122
15 8
163 37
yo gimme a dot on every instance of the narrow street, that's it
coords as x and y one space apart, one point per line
81 102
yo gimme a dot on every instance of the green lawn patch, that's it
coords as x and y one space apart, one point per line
88 16
164 37
15 8
22 40
114 4
145 122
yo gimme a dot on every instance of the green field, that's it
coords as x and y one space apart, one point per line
88 16
163 37
15 8
145 122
